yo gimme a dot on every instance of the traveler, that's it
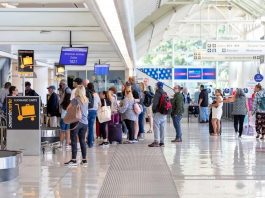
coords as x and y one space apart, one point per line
128 114
103 126
240 109
80 128
141 117
159 119
29 91
177 112
217 111
85 82
149 112
52 106
112 96
3 93
64 102
186 96
94 104
259 110
136 91
13 91
76 82
203 104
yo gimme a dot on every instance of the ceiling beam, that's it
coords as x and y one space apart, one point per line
50 28
41 1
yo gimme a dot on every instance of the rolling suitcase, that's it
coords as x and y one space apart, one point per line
115 131
211 126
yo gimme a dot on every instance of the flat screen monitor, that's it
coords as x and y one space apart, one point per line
180 73
73 56
194 74
101 70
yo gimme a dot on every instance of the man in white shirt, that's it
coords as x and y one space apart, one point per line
76 82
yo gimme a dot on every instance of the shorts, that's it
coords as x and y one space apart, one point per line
64 127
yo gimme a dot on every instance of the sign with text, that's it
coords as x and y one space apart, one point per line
73 56
194 74
209 73
258 78
23 113
25 61
181 73
236 47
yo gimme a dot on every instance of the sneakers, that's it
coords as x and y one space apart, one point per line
128 142
176 140
68 147
154 144
135 141
161 144
257 136
71 163
84 162
104 144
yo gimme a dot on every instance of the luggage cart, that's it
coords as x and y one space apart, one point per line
27 111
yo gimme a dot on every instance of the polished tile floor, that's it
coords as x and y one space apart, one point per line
200 166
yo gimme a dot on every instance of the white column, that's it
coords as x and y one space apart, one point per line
40 83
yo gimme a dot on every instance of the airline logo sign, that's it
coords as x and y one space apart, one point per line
209 73
258 78
194 73
181 73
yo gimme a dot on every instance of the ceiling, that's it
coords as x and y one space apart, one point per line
45 27
162 20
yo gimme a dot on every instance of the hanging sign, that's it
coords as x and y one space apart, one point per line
258 78
25 61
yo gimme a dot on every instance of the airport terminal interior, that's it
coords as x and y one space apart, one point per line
132 98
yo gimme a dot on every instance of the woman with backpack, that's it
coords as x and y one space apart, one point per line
128 115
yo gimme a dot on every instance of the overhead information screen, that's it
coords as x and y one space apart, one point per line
101 70
73 56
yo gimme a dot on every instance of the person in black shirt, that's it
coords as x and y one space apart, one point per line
52 106
203 104
29 91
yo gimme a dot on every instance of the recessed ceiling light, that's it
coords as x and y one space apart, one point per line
8 5
45 32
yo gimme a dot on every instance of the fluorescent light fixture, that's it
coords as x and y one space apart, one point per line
109 12
7 5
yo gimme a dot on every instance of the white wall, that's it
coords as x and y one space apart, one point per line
40 83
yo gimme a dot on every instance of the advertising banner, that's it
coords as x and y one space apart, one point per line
181 73
25 61
209 73
194 74
23 113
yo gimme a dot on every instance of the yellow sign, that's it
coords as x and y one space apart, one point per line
27 111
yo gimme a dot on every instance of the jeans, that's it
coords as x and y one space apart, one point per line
130 127
239 119
204 114
141 120
159 127
79 131
92 114
176 122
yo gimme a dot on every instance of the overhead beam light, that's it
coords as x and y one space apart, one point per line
8 5
110 15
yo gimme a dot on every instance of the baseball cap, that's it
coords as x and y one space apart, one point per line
51 87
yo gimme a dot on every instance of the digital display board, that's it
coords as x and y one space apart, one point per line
101 70
73 56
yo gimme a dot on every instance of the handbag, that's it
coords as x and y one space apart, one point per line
104 113
73 114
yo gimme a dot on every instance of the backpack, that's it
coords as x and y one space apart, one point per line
165 106
90 97
148 98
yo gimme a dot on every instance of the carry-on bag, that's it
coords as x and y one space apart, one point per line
211 126
115 131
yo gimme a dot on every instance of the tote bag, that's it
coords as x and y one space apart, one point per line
73 114
104 113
